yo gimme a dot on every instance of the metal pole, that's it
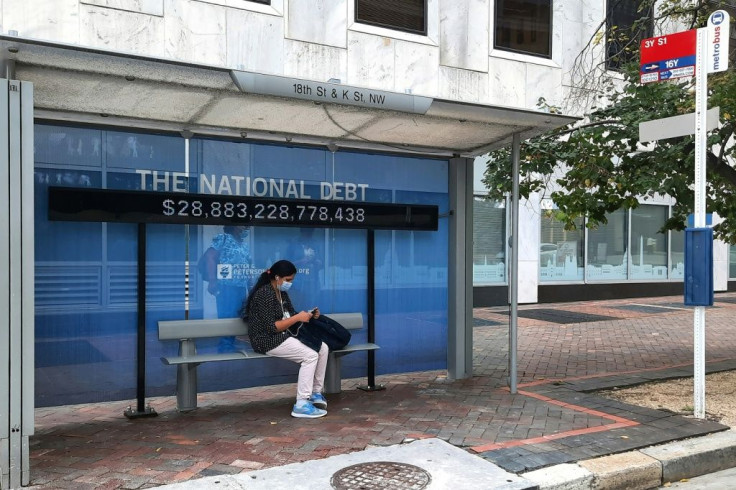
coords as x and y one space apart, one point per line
701 107
141 409
514 265
188 263
371 263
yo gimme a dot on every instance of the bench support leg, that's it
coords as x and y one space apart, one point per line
186 387
333 375
186 380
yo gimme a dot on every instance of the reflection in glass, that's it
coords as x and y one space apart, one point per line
67 146
677 254
648 246
560 250
607 253
489 237
144 151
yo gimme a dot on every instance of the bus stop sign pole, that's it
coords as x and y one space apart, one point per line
701 103
665 58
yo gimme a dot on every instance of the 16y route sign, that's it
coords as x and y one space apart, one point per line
667 57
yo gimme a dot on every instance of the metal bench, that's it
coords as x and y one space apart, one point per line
187 331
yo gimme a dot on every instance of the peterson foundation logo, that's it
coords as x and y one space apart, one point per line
224 271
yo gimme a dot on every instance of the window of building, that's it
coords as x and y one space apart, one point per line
607 252
489 237
677 254
626 25
648 246
732 262
560 250
524 26
404 15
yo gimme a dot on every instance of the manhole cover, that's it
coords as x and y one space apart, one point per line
380 474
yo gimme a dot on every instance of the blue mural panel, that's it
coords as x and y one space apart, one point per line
86 275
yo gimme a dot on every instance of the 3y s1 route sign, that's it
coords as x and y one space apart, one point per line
667 57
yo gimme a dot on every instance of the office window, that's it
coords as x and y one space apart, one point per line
648 246
627 23
524 26
489 238
732 262
607 253
560 250
403 15
677 254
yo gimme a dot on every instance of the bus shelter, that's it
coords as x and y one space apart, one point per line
78 328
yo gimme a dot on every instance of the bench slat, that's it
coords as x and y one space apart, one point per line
198 358
244 355
224 327
355 348
197 329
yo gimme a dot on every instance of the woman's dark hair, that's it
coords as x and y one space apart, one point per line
282 268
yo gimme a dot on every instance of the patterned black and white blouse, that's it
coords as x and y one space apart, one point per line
264 312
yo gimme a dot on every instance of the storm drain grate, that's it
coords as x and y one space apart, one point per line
380 475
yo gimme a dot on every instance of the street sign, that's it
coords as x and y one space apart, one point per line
718 35
668 57
675 126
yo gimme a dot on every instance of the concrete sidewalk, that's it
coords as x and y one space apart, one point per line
566 353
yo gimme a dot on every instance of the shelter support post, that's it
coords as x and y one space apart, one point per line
16 282
460 270
514 263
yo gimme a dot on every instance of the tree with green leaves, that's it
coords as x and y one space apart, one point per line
597 165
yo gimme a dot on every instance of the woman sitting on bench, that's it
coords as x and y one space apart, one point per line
269 313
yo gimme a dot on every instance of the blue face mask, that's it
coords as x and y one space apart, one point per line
284 286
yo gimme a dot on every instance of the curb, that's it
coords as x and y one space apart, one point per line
642 469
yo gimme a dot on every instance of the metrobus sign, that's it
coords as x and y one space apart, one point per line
718 36
668 57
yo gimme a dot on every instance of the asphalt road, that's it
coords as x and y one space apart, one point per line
721 480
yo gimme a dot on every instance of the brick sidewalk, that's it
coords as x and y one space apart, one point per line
564 352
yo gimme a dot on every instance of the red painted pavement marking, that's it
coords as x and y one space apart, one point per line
619 423
551 437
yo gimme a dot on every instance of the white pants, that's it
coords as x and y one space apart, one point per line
313 365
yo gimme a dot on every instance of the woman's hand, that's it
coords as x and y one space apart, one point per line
212 288
303 316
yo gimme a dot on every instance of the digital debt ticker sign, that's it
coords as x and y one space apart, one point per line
128 206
